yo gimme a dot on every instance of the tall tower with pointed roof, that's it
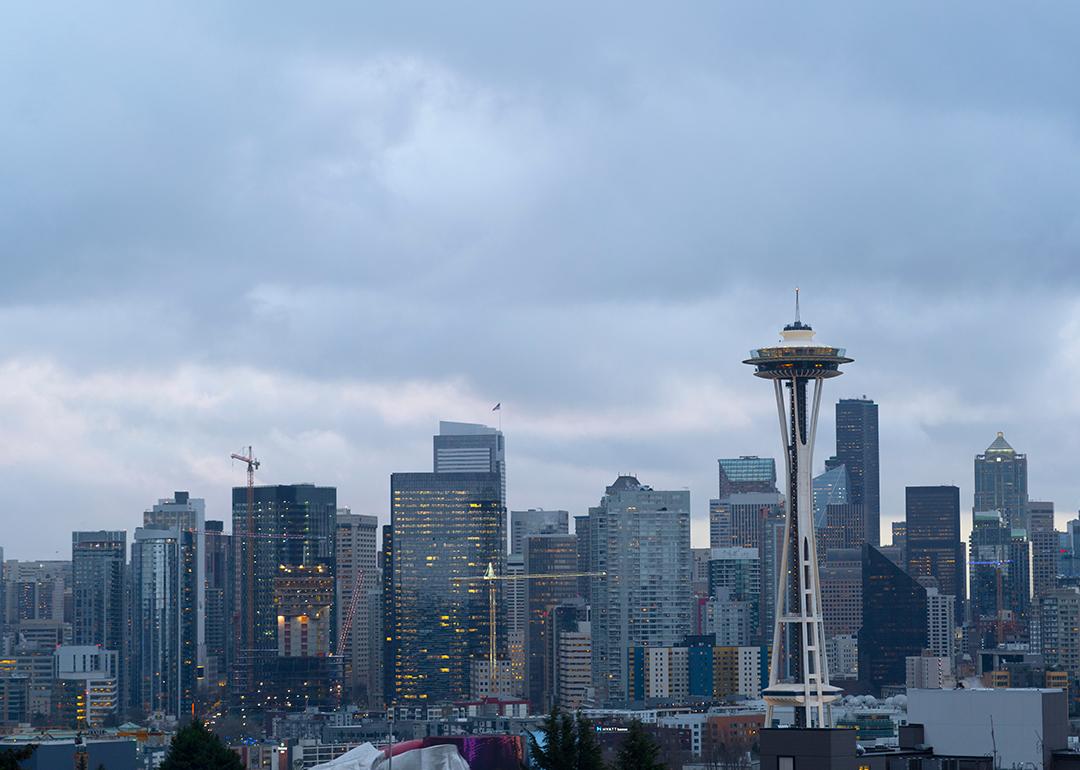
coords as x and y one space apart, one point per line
798 670
1001 482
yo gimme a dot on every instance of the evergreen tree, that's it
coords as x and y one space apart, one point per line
638 751
559 751
196 748
10 758
589 754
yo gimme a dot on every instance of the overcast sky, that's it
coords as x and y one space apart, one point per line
320 228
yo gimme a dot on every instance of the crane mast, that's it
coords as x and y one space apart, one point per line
249 561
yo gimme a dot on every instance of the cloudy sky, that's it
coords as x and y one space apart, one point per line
320 228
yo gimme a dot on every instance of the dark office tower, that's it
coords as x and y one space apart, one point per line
464 447
935 547
292 526
746 474
857 450
220 595
99 588
899 538
1001 482
357 574
1044 547
536 522
545 555
893 621
447 528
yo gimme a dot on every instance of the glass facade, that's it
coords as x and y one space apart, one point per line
1001 482
446 529
99 592
640 538
933 544
293 526
894 620
545 555
746 474
857 449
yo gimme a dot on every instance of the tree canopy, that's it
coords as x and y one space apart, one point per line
639 750
196 748
569 744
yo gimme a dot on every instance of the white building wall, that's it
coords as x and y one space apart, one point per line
1025 725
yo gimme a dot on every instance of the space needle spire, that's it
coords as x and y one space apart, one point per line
798 669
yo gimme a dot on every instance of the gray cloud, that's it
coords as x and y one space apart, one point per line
320 231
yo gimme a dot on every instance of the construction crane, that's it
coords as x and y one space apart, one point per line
249 562
490 577
350 613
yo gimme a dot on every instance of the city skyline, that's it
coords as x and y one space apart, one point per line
700 519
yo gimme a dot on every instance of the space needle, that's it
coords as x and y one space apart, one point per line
798 669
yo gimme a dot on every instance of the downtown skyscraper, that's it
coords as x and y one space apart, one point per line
168 567
291 540
640 538
857 450
446 527
1001 483
465 447
445 530
935 547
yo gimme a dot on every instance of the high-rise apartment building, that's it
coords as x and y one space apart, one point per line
446 528
1059 619
738 572
99 594
894 620
220 605
163 625
187 515
292 526
935 547
536 521
1001 482
857 450
357 574
748 473
34 590
465 447
640 538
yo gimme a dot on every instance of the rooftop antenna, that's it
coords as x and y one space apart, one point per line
797 319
